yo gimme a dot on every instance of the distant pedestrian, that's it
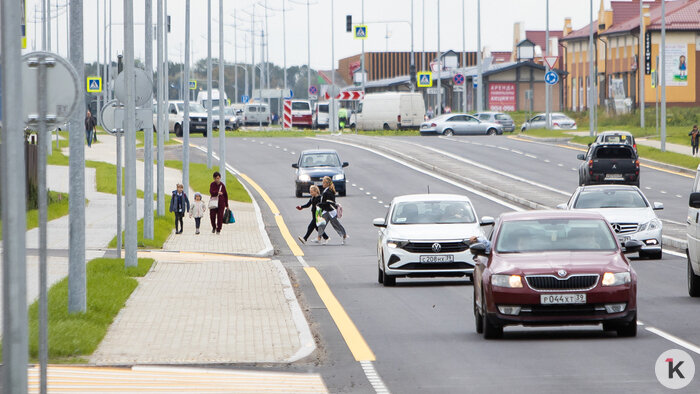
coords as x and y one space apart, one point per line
198 210
694 139
342 117
179 205
218 202
313 204
430 113
330 211
90 124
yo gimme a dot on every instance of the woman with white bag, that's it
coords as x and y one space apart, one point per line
330 211
218 202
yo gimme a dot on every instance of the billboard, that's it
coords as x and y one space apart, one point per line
676 65
502 96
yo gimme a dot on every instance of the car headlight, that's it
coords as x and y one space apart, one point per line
616 279
512 281
396 243
304 178
338 177
653 224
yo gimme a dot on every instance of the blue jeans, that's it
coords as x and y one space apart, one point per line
89 136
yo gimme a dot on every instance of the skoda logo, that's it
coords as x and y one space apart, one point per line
561 273
616 227
437 247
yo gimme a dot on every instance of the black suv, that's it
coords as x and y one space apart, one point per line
609 163
315 164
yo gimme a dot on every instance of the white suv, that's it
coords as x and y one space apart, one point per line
176 116
693 237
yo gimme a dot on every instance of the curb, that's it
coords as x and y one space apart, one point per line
544 139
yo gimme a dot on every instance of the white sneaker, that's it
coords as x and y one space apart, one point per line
315 240
324 242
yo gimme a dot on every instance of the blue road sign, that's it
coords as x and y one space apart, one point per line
312 89
361 32
551 78
289 94
245 99
458 79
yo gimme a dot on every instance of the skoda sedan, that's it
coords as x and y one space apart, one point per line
554 268
427 235
313 165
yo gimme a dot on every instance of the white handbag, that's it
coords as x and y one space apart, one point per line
214 201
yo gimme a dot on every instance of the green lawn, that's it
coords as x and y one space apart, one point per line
201 178
74 337
140 137
58 207
163 226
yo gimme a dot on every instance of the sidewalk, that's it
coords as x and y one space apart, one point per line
670 147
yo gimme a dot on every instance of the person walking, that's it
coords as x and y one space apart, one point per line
330 211
198 211
90 124
218 202
313 204
694 139
179 205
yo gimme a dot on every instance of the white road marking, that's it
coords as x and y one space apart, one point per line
374 378
284 149
663 192
477 143
647 187
491 146
516 151
560 165
277 146
547 161
386 206
679 196
530 156
678 341
368 193
573 169
293 153
374 197
504 148
362 189
354 185
380 201
674 253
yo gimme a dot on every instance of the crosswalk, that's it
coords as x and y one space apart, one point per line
153 379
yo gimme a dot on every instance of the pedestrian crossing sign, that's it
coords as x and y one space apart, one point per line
360 32
94 84
193 84
425 79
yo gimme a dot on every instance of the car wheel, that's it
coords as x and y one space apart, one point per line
386 126
656 255
204 133
298 193
492 132
388 280
693 280
448 132
628 329
522 129
491 331
342 193
178 130
478 318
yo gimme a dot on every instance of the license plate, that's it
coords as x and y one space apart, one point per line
614 176
553 299
623 239
437 259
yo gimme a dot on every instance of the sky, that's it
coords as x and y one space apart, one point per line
497 19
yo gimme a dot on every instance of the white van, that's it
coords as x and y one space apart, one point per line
301 113
320 116
203 96
693 237
389 111
256 114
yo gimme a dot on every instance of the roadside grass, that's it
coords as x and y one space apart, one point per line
74 337
140 140
58 207
201 178
677 159
163 226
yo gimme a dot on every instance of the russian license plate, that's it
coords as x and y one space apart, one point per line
437 259
623 239
553 299
616 177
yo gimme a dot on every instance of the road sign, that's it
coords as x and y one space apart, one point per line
62 88
458 88
475 81
23 23
107 117
313 97
653 78
458 79
435 90
551 60
94 84
193 84
288 94
245 99
551 77
425 79
112 117
360 32
312 89
143 84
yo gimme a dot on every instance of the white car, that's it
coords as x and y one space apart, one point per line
176 116
627 210
559 122
427 235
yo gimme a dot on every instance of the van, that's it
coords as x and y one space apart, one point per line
203 96
389 111
693 238
256 114
301 113
320 116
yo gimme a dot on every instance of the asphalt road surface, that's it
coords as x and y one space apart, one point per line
422 331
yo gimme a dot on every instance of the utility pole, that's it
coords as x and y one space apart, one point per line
222 123
362 57
464 56
438 109
479 71
267 59
163 127
333 122
642 55
284 44
663 75
98 107
77 297
148 226
412 68
591 75
130 234
548 110
308 46
235 57
209 108
166 73
186 118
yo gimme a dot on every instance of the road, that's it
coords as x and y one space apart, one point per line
422 331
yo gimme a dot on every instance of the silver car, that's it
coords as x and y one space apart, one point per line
453 124
559 122
629 212
497 117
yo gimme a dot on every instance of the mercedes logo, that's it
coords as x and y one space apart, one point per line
616 227
561 273
437 247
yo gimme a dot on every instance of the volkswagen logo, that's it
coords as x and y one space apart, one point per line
561 273
616 227
437 247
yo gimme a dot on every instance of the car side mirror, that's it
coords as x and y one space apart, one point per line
295 165
581 156
379 222
589 144
694 200
487 221
632 246
478 249
561 206
658 206
345 164
174 112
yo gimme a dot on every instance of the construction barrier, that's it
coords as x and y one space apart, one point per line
287 114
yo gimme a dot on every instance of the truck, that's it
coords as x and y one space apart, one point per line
609 163
389 111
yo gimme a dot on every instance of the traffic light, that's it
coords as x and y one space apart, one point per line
168 23
348 23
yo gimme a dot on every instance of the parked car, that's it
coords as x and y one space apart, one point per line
616 137
256 114
232 121
693 238
320 116
301 113
389 111
203 95
427 235
609 163
627 210
176 115
559 122
497 117
313 165
554 268
453 124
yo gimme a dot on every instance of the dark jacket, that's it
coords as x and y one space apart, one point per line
90 123
184 202
313 203
694 138
327 200
214 191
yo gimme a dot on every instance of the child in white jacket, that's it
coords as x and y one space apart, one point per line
198 210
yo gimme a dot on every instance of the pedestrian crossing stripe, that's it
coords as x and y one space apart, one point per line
361 32
94 84
425 79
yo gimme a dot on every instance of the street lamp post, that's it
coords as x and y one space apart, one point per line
438 107
663 75
479 71
222 122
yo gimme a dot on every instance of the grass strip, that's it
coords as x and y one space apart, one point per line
58 207
201 178
163 226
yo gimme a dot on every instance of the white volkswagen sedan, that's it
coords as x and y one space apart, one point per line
629 212
427 235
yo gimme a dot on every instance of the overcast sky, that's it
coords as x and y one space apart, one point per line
497 21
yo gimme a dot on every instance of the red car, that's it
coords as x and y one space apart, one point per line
554 268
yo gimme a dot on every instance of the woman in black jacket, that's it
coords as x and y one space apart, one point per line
313 203
330 213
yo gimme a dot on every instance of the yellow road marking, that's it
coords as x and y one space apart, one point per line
296 250
357 344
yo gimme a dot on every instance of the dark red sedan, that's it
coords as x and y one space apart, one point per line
554 268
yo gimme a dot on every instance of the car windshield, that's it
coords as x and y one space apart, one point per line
549 235
592 199
320 160
194 107
502 117
614 152
615 138
433 212
323 108
228 111
300 105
